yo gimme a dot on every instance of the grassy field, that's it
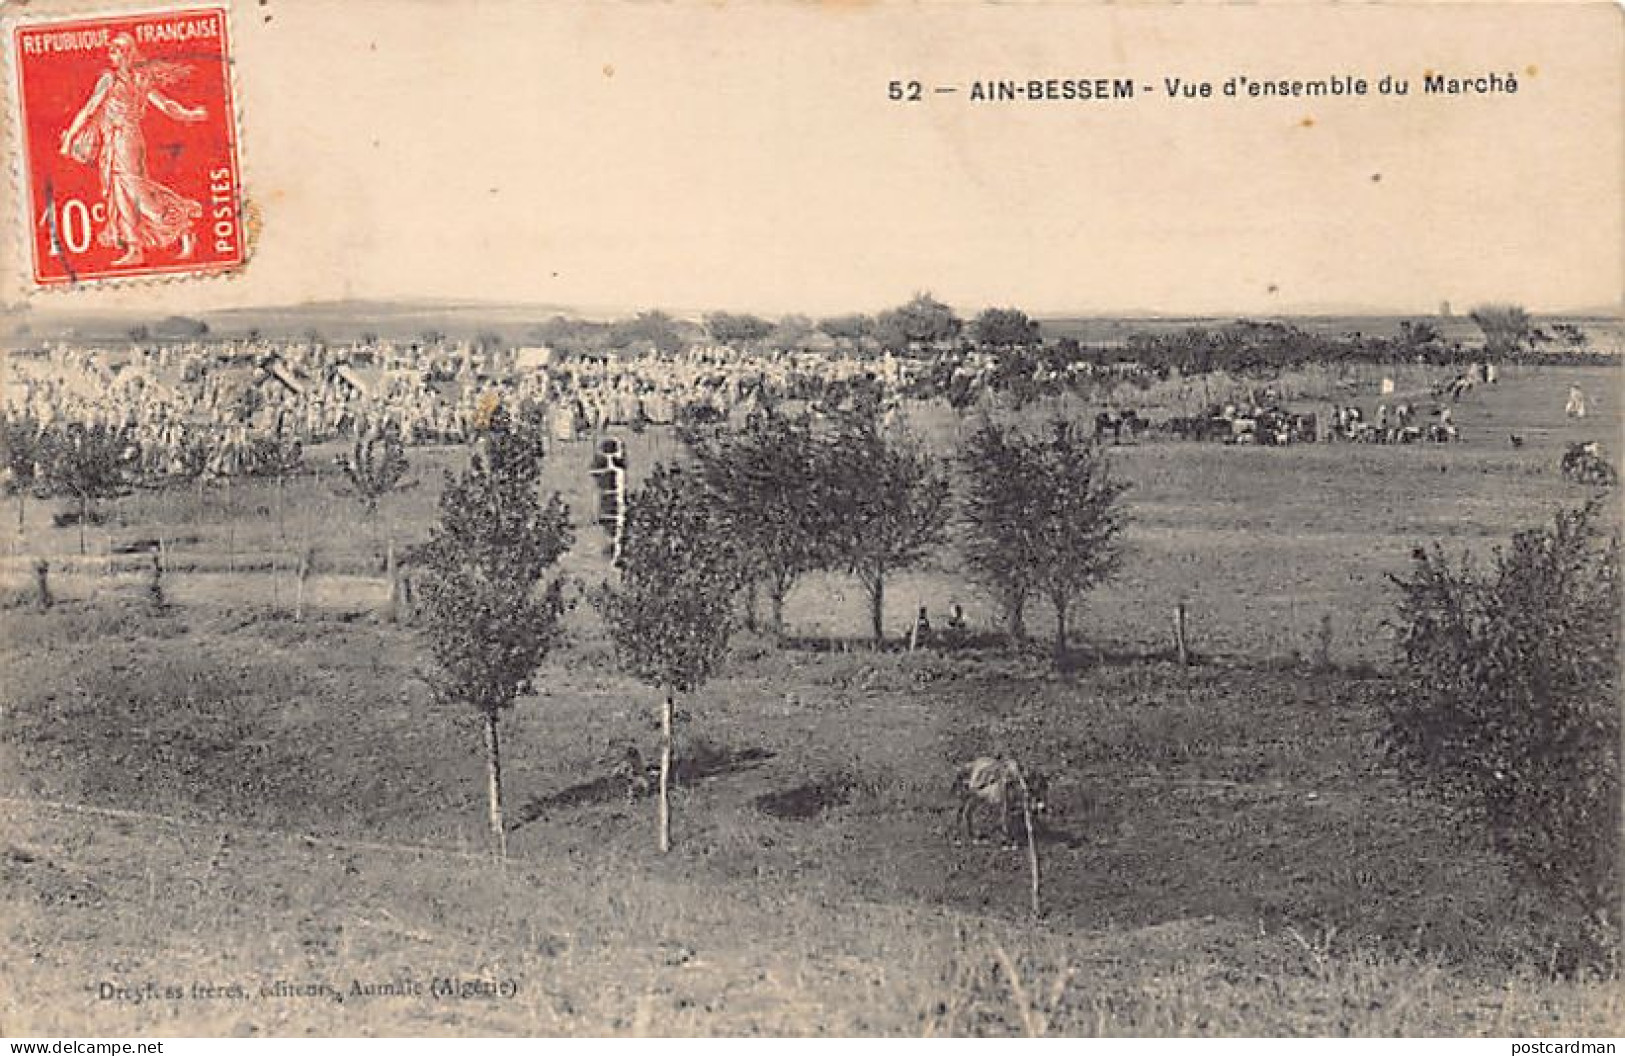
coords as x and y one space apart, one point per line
218 795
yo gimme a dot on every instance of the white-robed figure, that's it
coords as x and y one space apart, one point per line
1576 407
142 213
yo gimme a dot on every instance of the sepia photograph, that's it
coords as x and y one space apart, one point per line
811 518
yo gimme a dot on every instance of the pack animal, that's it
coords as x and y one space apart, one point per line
1584 462
1002 786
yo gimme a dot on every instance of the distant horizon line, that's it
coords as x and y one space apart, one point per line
545 312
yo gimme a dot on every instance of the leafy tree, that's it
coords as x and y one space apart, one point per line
672 614
922 321
1078 519
729 329
1506 329
570 336
654 329
1420 340
87 463
488 620
1041 517
1508 706
181 326
376 466
1004 328
194 455
20 451
847 327
1002 508
277 456
893 501
791 332
769 485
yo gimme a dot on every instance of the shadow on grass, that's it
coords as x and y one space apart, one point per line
702 761
807 801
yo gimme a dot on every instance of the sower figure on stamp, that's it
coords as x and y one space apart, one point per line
142 213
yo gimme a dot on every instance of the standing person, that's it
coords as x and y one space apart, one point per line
921 635
142 213
1576 407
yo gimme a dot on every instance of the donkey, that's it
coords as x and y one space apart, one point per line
1003 785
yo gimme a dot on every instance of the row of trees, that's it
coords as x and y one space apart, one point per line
89 464
922 322
1039 515
1506 704
84 463
926 325
759 507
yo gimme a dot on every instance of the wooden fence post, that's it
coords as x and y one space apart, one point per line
42 582
1323 657
1180 646
392 610
231 532
666 715
299 586
1032 845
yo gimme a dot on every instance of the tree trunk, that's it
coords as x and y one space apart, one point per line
155 585
1015 624
299 586
22 497
750 606
107 532
877 607
778 590
281 533
393 612
493 773
42 580
231 532
666 710
1032 844
1060 629
84 515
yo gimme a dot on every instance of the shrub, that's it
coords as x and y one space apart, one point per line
1509 707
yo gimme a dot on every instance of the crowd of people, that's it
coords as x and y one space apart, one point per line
182 401
169 398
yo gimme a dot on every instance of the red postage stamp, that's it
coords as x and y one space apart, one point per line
129 136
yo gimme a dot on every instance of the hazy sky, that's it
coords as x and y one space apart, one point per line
746 156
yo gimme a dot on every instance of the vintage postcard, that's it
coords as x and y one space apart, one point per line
810 519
